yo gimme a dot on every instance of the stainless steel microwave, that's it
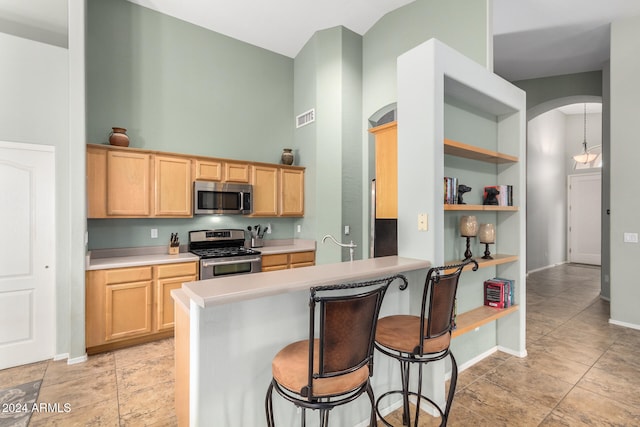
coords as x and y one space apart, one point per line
221 198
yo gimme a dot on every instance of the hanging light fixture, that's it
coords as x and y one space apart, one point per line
585 157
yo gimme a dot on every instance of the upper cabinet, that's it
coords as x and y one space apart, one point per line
277 190
173 188
386 170
132 183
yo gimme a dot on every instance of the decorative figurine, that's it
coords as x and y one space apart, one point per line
461 190
490 194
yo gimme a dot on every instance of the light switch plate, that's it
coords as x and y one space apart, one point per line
154 233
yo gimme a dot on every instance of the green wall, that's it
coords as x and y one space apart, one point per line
180 88
625 150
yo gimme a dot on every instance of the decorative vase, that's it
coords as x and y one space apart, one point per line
287 156
119 137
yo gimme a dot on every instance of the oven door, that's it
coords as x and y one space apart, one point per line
221 267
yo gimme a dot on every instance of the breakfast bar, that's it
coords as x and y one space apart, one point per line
228 330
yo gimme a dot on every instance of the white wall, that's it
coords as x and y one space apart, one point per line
625 150
546 191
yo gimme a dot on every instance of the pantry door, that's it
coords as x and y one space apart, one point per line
27 253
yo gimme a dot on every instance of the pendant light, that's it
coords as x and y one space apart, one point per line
585 157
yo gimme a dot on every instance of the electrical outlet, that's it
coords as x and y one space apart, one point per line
269 228
299 228
630 237
422 222
154 233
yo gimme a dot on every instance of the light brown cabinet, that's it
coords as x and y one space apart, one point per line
277 191
283 261
386 137
173 192
128 183
128 306
236 172
208 170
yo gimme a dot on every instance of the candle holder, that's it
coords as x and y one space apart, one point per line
487 236
468 229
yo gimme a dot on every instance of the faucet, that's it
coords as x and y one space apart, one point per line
349 245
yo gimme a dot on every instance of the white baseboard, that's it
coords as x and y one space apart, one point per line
79 359
547 267
625 324
61 356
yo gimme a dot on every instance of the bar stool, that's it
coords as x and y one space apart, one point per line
423 339
333 368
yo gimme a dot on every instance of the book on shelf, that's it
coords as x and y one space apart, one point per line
450 190
498 293
504 196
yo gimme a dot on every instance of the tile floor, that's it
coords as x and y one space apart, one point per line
580 371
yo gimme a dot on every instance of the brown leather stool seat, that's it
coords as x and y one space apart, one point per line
333 368
422 339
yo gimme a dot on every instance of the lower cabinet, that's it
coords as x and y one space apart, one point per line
284 261
128 306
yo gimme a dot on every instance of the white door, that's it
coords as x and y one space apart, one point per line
27 253
584 218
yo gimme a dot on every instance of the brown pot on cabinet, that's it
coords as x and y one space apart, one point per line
119 137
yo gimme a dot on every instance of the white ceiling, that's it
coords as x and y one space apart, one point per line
533 38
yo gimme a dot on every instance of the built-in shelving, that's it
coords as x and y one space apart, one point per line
484 263
480 208
472 319
460 149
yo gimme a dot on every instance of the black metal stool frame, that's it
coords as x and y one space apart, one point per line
325 403
418 354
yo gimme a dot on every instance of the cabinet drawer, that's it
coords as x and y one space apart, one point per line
124 275
175 270
298 257
275 259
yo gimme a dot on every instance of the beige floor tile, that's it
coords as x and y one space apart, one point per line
80 392
22 374
144 352
621 387
138 375
147 406
60 371
100 414
584 408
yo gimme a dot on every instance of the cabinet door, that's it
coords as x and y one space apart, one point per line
169 277
275 262
172 186
291 192
128 187
164 302
265 190
209 170
386 170
302 259
236 172
96 169
128 310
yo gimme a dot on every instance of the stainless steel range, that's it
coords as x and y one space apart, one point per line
222 253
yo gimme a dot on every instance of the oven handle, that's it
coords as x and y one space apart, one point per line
206 263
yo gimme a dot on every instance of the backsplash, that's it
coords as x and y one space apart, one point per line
127 233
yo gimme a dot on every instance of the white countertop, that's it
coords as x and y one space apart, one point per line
286 246
230 289
139 260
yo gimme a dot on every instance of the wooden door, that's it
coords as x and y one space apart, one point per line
96 169
169 277
173 191
291 192
27 257
265 190
386 170
128 183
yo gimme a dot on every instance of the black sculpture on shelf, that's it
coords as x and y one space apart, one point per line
461 190
490 194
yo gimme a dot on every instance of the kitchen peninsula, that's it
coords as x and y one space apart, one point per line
228 330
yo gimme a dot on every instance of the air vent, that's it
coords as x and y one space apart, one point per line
306 118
